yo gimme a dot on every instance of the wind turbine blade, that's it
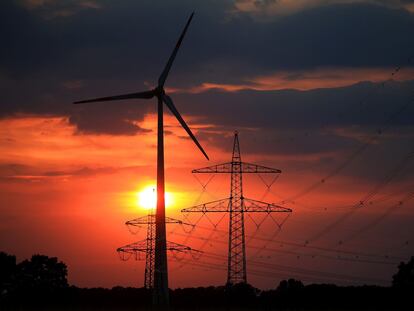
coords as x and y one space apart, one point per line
164 74
168 101
146 95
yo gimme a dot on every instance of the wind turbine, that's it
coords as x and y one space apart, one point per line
161 270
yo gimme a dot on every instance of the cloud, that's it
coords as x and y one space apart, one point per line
307 79
13 169
48 63
24 173
58 8
73 84
364 104
98 121
286 7
86 48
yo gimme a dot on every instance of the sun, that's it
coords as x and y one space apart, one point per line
147 198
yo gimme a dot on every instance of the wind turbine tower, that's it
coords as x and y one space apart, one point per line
160 296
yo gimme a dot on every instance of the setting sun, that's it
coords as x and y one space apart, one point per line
147 198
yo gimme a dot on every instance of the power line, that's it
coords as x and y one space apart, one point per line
273 270
363 147
377 220
357 256
388 178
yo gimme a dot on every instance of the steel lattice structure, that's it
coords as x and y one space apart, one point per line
148 249
236 205
147 246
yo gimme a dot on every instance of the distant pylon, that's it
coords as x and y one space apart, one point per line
150 254
236 205
147 246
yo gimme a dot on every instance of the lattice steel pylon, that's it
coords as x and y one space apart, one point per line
147 246
236 205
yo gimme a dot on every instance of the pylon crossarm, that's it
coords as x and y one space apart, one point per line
172 246
214 206
219 168
147 220
245 168
137 249
263 207
258 169
169 220
140 246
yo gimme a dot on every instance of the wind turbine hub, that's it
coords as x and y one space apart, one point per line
159 91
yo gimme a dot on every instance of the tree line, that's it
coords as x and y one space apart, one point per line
41 283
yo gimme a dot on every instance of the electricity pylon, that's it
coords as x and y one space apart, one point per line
147 246
236 205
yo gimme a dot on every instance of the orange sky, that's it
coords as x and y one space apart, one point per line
68 195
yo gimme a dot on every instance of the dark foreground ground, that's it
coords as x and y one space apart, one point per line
311 297
40 283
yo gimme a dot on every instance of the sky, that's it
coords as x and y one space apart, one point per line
322 90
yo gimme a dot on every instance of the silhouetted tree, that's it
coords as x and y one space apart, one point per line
404 278
290 285
42 272
7 272
241 294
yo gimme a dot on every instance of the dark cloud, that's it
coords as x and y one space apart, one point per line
125 40
63 8
101 120
11 169
363 104
84 171
46 63
20 173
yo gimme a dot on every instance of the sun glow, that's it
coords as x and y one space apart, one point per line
147 198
